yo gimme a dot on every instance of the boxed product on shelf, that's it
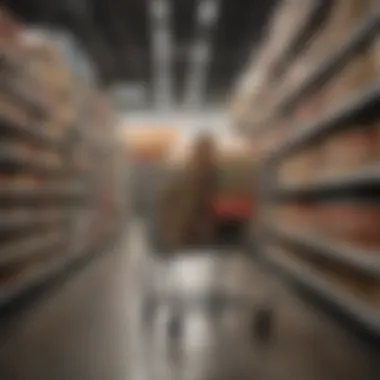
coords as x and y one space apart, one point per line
52 81
312 105
55 144
24 91
302 68
19 181
297 216
44 63
101 134
307 109
262 94
302 168
358 74
19 88
286 23
12 112
350 151
355 224
344 17
39 80
18 120
269 140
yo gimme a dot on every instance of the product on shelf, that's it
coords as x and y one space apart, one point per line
352 223
349 151
345 16
11 112
287 22
297 216
302 168
357 75
56 178
303 99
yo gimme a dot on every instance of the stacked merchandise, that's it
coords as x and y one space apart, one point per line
315 118
182 218
148 148
42 165
104 176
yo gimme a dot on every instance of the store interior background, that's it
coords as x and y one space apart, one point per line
88 289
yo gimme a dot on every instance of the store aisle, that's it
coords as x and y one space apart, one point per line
91 327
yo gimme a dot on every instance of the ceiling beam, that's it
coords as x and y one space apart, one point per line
207 16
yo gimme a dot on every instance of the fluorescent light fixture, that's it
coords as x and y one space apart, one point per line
207 15
162 53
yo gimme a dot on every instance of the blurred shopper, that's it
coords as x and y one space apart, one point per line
185 205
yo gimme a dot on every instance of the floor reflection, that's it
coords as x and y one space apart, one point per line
131 316
194 321
192 343
206 318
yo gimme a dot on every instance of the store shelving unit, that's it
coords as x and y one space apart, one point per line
360 107
342 303
358 39
47 207
310 256
310 26
361 261
363 34
11 127
365 182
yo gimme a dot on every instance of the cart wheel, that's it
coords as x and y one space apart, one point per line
262 324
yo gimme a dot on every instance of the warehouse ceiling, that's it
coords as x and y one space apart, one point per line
181 52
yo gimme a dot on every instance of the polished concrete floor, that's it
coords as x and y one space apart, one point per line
103 325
